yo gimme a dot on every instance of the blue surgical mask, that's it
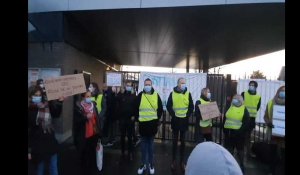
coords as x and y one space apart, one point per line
88 100
208 95
183 87
281 94
147 88
235 102
36 99
128 88
252 88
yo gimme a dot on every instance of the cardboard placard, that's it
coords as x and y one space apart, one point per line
209 111
67 85
278 121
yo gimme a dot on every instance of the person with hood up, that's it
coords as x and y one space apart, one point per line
209 158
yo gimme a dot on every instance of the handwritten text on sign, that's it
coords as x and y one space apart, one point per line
278 121
209 110
67 85
113 79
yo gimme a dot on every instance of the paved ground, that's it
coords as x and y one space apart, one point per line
114 165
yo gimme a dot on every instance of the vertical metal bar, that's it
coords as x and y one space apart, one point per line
164 126
258 131
221 121
263 132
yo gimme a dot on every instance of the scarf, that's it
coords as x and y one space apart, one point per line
44 119
90 125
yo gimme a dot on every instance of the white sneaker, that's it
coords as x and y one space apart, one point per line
142 169
151 167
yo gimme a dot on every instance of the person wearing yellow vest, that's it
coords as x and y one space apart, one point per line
252 102
235 127
180 107
148 110
100 101
205 125
279 99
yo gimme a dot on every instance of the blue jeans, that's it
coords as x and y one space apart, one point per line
52 166
147 150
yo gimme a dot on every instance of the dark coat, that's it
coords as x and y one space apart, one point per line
79 129
42 145
176 122
126 102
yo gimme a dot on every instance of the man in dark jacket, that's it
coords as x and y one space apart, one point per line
126 111
180 107
148 109
110 115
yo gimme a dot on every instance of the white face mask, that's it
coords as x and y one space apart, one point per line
208 95
42 85
91 89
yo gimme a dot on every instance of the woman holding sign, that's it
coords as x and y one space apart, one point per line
205 125
42 144
236 125
275 121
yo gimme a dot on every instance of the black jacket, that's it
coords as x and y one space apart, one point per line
126 102
244 128
148 128
111 104
176 122
79 129
42 145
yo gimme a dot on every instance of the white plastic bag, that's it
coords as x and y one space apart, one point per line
99 155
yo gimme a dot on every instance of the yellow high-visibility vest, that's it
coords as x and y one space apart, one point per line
270 110
251 102
99 102
148 107
180 103
234 117
205 123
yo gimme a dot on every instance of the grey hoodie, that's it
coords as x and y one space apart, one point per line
209 158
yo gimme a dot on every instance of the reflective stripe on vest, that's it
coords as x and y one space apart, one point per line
98 102
180 103
205 123
251 102
234 117
147 111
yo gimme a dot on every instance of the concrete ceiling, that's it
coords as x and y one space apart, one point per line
165 37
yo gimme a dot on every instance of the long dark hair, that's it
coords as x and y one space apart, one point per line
34 89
